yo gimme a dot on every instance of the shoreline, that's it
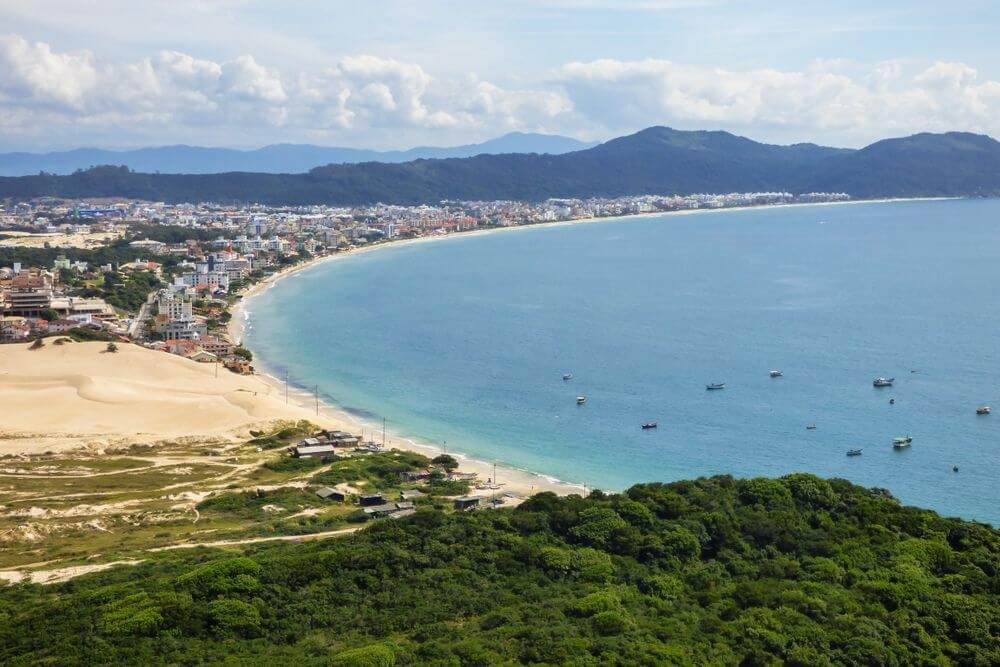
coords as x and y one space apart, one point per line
241 316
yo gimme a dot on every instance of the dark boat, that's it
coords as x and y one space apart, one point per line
954 468
715 385
883 382
984 410
567 376
810 427
854 452
649 425
580 400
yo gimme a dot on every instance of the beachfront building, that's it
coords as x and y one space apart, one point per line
175 320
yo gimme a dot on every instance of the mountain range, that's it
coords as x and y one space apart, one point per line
657 160
273 159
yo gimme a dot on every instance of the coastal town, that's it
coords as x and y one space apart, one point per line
166 276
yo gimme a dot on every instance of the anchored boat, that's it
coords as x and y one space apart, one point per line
567 376
903 441
649 425
854 452
776 374
715 385
984 410
580 400
883 382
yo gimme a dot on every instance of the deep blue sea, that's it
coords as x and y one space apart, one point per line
465 340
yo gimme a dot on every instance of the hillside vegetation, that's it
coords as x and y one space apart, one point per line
713 571
657 160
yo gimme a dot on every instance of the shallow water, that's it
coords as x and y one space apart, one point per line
464 341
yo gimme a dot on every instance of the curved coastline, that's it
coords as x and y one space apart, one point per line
512 478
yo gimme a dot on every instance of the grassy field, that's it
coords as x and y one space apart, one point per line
74 508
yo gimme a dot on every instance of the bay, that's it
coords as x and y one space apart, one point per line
464 341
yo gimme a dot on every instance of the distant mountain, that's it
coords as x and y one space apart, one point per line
658 160
922 165
273 159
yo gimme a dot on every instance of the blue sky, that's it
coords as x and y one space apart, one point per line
392 74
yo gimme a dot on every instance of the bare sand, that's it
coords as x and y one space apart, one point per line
62 397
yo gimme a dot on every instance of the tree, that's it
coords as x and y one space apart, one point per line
445 461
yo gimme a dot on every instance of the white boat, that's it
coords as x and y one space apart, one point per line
580 400
776 374
883 382
984 410
715 386
903 441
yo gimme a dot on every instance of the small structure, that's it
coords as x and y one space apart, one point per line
371 499
303 451
326 493
388 509
467 502
415 475
411 494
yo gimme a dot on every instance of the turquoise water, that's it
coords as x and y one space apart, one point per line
465 341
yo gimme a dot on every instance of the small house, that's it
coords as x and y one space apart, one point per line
466 502
326 493
415 475
411 494
306 451
371 499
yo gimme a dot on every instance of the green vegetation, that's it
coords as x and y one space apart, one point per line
798 571
132 293
657 160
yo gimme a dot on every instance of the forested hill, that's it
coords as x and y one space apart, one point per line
657 160
797 571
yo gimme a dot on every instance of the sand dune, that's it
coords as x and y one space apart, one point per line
78 392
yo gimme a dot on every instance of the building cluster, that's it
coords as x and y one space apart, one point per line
34 302
231 245
259 231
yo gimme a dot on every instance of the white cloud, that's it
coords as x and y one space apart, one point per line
71 98
32 71
853 102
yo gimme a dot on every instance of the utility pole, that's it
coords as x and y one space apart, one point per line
316 393
286 387
383 432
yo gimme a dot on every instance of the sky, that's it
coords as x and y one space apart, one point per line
390 74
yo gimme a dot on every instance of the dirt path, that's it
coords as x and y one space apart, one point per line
255 540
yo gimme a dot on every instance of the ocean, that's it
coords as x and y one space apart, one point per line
463 342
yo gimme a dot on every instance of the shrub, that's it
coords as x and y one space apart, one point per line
375 655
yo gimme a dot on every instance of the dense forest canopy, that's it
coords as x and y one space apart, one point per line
657 160
712 571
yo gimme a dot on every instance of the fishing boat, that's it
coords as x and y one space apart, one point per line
984 410
567 376
715 385
649 425
903 441
810 427
883 382
580 400
854 452
776 374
